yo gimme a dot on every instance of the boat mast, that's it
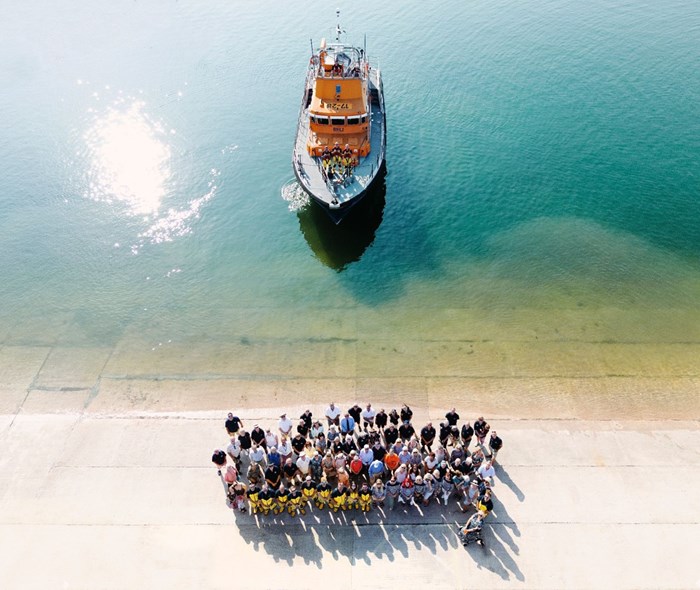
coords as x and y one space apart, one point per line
338 29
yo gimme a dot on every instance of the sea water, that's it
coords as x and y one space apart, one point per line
540 205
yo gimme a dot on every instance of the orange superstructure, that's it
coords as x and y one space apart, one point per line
338 112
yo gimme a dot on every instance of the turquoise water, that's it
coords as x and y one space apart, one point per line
541 155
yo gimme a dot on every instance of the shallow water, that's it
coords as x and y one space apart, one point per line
542 185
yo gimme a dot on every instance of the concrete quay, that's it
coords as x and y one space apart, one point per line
130 500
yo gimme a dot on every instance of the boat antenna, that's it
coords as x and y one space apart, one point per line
338 30
312 46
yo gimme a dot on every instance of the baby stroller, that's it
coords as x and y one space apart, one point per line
470 537
471 532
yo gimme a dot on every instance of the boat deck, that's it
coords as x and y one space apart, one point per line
309 169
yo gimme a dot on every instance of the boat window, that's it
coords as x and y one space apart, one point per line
338 120
322 120
353 120
363 119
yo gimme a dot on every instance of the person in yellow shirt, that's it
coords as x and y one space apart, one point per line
308 491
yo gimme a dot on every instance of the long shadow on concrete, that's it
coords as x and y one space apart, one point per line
355 536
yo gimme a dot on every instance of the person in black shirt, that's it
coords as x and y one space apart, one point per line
273 476
362 439
298 443
307 418
246 442
258 436
379 451
485 502
373 436
445 432
219 459
394 417
427 436
406 431
290 471
406 413
391 435
233 423
480 429
348 444
303 427
452 417
356 413
495 444
467 434
381 419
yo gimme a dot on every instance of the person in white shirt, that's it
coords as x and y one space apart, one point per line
303 463
368 415
333 414
366 456
284 449
486 471
234 451
285 425
316 429
257 455
271 439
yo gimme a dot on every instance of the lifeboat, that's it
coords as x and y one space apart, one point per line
341 131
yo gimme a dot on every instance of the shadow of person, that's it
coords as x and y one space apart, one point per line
503 476
337 246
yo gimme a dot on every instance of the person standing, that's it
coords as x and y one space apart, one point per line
368 415
356 413
381 420
375 470
378 493
333 414
406 431
233 450
245 441
427 436
271 439
273 476
347 424
466 434
307 417
452 417
392 461
393 488
391 435
257 435
495 444
481 429
233 424
323 493
406 413
257 455
284 425
285 449
366 456
486 471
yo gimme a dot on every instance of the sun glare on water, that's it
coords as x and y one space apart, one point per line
130 160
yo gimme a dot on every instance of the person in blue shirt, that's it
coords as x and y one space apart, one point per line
273 457
347 424
375 470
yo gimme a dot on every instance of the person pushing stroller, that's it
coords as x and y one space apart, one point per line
472 531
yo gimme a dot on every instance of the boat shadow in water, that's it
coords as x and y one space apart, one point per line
338 246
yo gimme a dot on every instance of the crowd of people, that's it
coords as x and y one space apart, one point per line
359 459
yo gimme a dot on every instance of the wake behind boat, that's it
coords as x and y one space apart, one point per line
341 132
